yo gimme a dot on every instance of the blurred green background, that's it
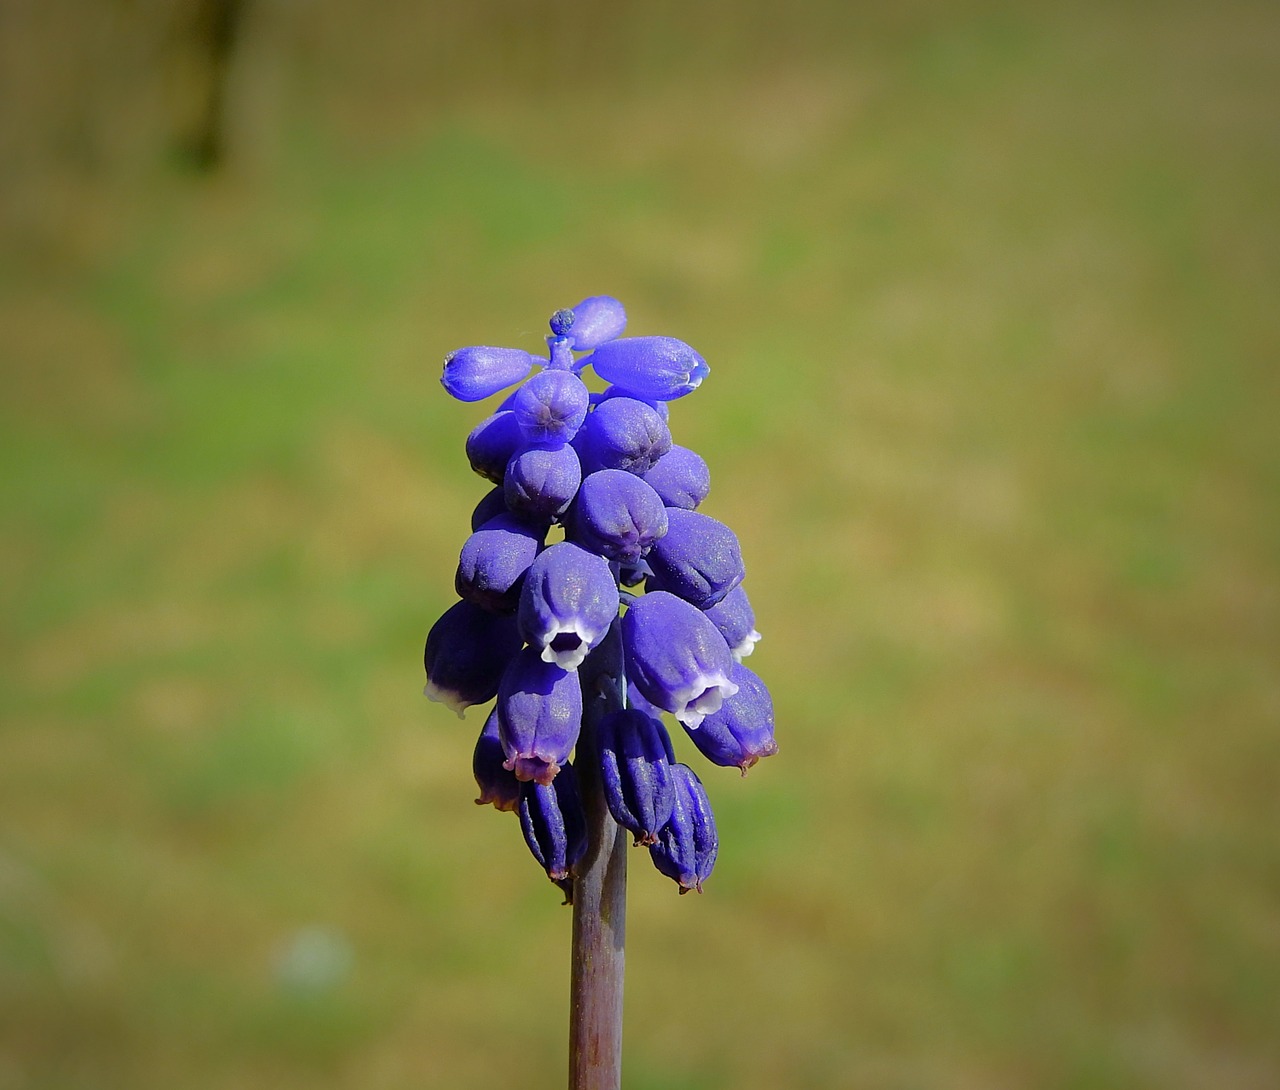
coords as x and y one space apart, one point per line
989 295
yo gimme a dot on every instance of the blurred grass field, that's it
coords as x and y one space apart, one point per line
989 297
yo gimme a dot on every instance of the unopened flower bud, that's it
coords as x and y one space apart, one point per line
597 319
471 374
468 650
551 407
698 559
541 482
681 478
617 515
623 433
493 561
492 442
651 367
736 622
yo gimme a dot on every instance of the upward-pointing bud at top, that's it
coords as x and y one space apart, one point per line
651 367
595 320
471 374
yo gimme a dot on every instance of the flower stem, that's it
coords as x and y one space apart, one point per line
599 893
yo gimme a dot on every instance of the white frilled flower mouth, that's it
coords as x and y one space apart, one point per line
567 645
741 650
703 696
447 697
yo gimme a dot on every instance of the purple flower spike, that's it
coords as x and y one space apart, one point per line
736 621
596 320
681 478
617 515
491 504
498 784
467 652
635 769
623 433
551 407
541 482
698 559
676 658
472 374
662 368
539 716
741 732
493 561
492 442
568 602
555 826
687 845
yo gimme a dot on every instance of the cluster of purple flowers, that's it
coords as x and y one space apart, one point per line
637 559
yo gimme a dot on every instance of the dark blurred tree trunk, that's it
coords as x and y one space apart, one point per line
211 35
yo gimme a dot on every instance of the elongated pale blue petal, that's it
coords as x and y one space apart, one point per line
686 848
741 732
568 602
468 650
622 433
651 367
698 559
596 319
681 478
675 657
493 561
539 716
617 515
472 374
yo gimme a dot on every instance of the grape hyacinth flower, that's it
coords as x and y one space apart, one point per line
585 644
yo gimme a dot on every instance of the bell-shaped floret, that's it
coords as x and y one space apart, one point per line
597 319
635 769
617 515
498 784
736 620
539 716
492 442
568 602
622 433
661 368
555 826
686 848
551 407
741 732
493 561
471 374
675 657
681 478
468 650
541 482
698 559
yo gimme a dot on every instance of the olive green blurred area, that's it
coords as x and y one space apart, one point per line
988 292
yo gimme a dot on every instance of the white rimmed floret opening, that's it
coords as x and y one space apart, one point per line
703 696
745 646
447 697
566 645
